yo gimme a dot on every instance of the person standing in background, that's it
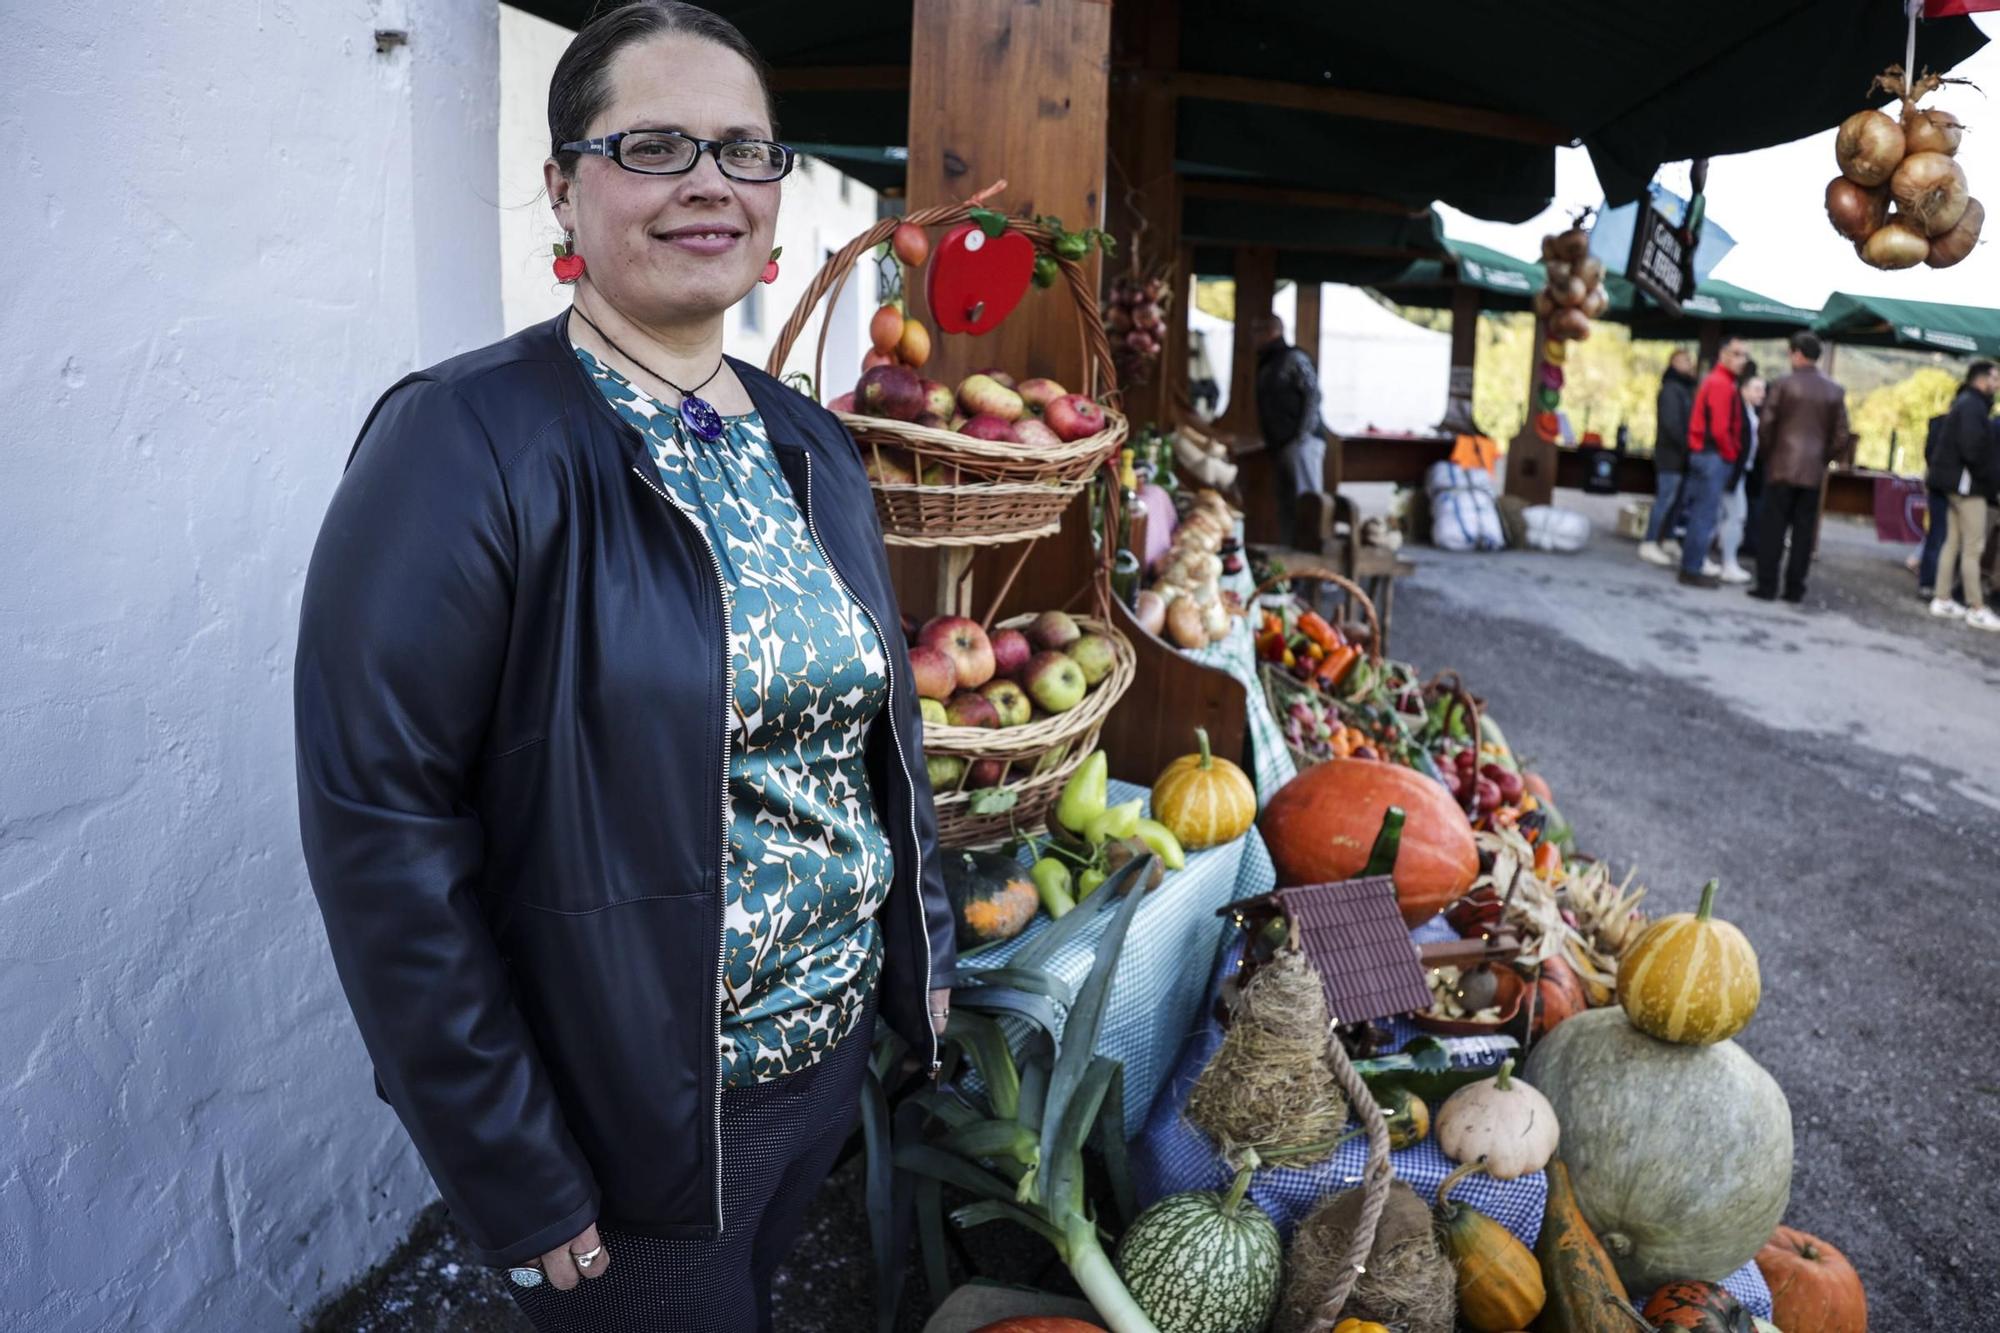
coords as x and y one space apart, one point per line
1715 443
1963 468
1937 518
1671 411
1735 498
1803 425
1288 419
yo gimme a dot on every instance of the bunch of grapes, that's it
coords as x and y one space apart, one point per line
1135 315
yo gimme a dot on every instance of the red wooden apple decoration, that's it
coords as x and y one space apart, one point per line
974 280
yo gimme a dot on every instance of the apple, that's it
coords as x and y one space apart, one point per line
958 420
967 709
1093 652
933 475
1030 431
891 391
842 403
1039 393
1056 681
965 643
930 419
1011 651
933 711
986 773
939 400
1053 631
1009 700
889 467
1074 417
998 375
945 770
987 427
982 395
933 670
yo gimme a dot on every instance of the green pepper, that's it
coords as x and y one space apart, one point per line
1052 882
1163 843
1120 821
1083 796
1089 882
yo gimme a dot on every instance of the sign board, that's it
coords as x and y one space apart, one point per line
1660 265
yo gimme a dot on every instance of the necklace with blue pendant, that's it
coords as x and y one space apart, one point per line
697 414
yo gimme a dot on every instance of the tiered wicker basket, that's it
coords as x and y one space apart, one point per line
988 492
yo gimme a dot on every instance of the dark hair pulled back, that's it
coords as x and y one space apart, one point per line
581 85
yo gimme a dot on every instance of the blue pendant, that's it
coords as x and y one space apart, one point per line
701 418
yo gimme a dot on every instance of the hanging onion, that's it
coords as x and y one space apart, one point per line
1544 304
1570 292
1957 243
1931 131
1896 244
1929 189
1573 246
1591 270
1596 303
1570 323
1856 212
1558 272
1868 147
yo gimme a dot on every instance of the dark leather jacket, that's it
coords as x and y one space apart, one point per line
512 731
1802 427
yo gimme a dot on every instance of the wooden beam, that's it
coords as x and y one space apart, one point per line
1305 325
1256 283
1368 106
841 79
1531 460
1253 192
1464 360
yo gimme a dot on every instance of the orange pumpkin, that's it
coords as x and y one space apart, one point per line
1558 995
1203 799
1321 826
1812 1284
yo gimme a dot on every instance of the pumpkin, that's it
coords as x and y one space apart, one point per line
1203 800
1690 978
1584 1293
1204 1262
1501 1123
1764 1325
992 898
1557 995
1408 1119
1321 826
1499 1287
1681 1155
1040 1324
1697 1305
1360 1326
1812 1284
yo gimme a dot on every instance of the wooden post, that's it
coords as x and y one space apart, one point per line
1710 344
1531 460
1305 332
1457 418
1256 282
1142 205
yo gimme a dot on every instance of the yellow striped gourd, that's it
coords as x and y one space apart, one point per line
1690 978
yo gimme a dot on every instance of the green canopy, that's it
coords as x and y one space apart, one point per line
1502 281
1743 312
1878 321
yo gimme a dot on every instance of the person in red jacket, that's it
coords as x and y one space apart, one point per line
1715 442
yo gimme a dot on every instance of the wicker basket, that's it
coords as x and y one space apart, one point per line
990 492
1280 688
1040 755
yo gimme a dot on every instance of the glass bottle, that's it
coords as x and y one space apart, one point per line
1126 563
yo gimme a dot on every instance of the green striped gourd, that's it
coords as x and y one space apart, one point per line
1207 1261
1690 978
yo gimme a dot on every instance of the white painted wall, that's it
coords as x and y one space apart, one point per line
822 211
230 226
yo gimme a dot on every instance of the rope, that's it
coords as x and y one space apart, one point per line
1375 1180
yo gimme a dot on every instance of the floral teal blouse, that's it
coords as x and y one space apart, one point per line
809 861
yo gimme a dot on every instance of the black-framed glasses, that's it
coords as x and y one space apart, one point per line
670 153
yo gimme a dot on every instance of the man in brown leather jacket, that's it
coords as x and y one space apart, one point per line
1803 425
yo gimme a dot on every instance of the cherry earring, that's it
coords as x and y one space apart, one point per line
771 269
569 264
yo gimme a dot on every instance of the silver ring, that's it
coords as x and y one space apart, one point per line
587 1258
526 1277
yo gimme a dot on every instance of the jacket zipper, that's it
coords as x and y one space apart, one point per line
722 932
895 739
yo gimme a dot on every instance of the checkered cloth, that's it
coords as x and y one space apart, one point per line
1270 762
1171 1155
1163 972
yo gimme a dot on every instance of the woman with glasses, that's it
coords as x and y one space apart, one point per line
610 768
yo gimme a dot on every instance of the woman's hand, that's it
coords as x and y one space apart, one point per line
940 1009
583 1257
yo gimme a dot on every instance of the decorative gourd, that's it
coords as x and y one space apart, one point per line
1499 1287
1681 1155
991 896
1501 1123
1690 978
1764 1325
1204 1262
1321 826
1812 1284
1360 1326
1204 800
1557 995
1697 1305
1584 1293
1040 1324
1408 1118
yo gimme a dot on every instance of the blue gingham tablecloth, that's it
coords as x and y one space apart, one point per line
1163 973
1171 1155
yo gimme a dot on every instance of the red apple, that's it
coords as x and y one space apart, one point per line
1011 651
939 399
1056 681
842 403
1031 432
967 709
1039 393
1006 381
891 391
986 773
1053 631
985 427
930 419
982 395
934 672
965 643
1074 417
1009 700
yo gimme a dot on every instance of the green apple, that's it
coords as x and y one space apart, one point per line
1094 653
932 710
945 770
1009 700
1055 681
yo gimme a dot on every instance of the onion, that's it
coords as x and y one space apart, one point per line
1868 147
1931 131
1549 255
1558 272
1597 302
1929 188
1572 292
1896 244
1957 243
1544 304
1573 246
1591 270
1856 212
1570 324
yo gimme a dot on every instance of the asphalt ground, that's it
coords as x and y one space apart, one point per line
1836 764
